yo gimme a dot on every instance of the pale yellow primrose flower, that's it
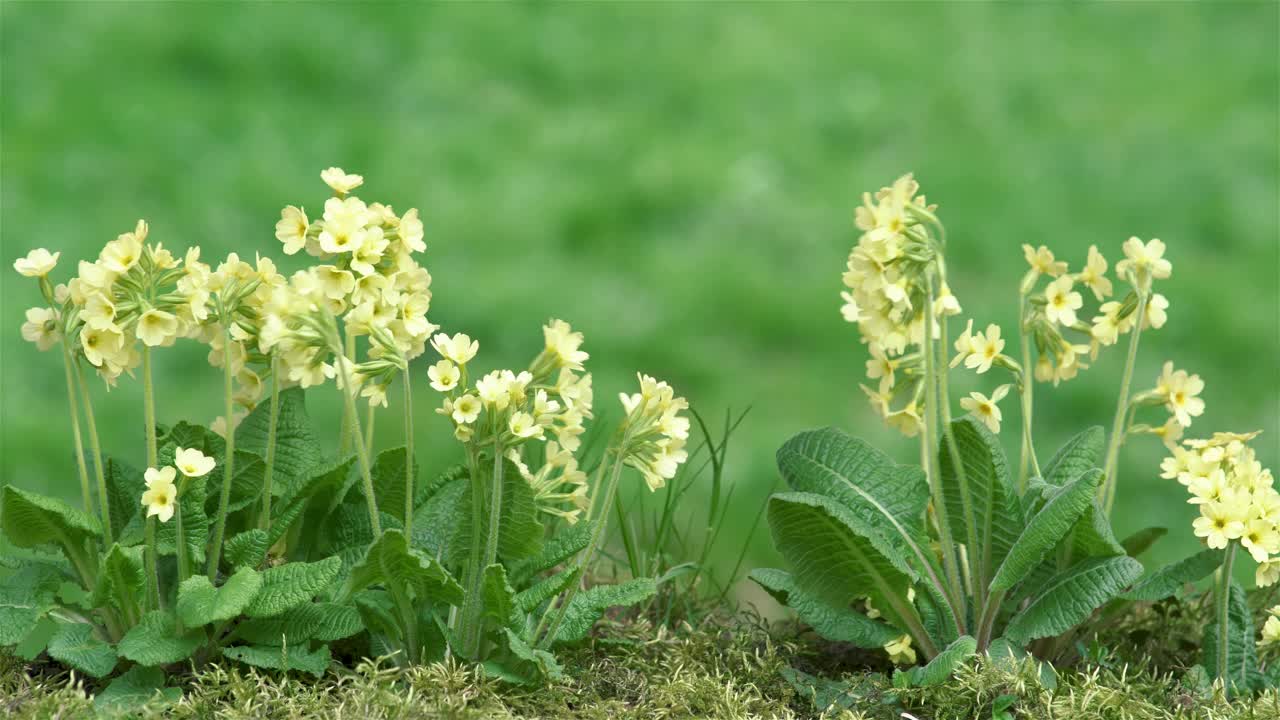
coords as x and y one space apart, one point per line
1271 630
341 181
1157 311
1180 391
524 426
984 348
1218 524
1061 303
160 496
411 231
1041 260
1145 261
564 344
1267 573
291 229
900 651
156 327
124 252
986 409
881 366
466 409
1093 276
444 376
193 463
460 348
37 263
41 328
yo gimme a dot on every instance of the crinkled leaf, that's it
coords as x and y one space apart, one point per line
287 586
1072 596
282 657
997 515
827 695
435 524
125 485
1242 657
75 645
35 638
530 599
1080 453
833 622
940 668
522 664
390 561
501 609
1046 529
837 556
200 603
195 521
1168 580
562 546
388 474
136 688
30 519
520 532
589 605
24 597
246 550
324 622
155 641
247 479
121 579
296 449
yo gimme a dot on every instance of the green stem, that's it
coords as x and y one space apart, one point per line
495 503
272 420
978 560
229 459
472 573
184 562
408 455
99 470
987 623
933 472
1224 606
368 429
149 407
85 493
1026 391
149 560
1109 481
344 434
588 554
362 456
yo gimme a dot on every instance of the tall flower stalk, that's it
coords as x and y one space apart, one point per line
229 461
273 421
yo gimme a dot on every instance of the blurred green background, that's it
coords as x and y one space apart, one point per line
678 181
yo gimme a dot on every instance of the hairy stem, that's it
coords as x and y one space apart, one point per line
149 562
1224 605
85 493
978 571
368 429
408 455
472 572
1109 480
273 418
229 460
1026 390
362 455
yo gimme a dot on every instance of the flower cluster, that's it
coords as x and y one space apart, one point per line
1235 495
161 495
887 278
654 432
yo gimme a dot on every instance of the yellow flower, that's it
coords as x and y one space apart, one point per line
1061 303
369 253
964 344
524 426
1093 276
881 366
900 651
1156 311
985 348
1219 524
334 283
1180 390
564 344
291 229
156 327
101 344
466 409
341 181
946 303
460 348
1270 631
124 252
161 495
906 421
37 263
411 231
850 310
444 376
192 462
1267 573
1041 260
1260 539
986 409
41 328
1145 261
1108 326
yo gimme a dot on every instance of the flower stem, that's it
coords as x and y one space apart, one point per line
229 460
149 561
273 419
408 455
99 470
1224 606
589 552
85 493
362 456
1109 481
932 470
368 429
495 503
1026 390
977 555
184 562
471 577
344 433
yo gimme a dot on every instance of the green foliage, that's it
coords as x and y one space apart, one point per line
833 622
155 641
588 606
1046 529
246 550
1242 657
135 689
30 520
296 451
321 621
1070 597
75 645
200 603
1171 578
314 662
940 668
995 509
520 531
288 586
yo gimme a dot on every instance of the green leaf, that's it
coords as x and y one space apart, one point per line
1168 580
1080 453
282 658
501 609
297 451
884 495
121 580
390 561
836 556
522 664
125 485
827 695
388 473
195 521
29 519
1072 596
833 622
435 523
324 622
940 668
24 597
200 603
75 645
996 512
1011 656
589 605
1140 542
247 480
288 586
560 548
1046 529
247 549
520 532
35 638
155 641
133 690
529 600
1242 657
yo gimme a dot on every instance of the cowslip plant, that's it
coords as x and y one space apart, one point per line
252 540
957 555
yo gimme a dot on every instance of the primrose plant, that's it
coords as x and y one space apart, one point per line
955 556
256 541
